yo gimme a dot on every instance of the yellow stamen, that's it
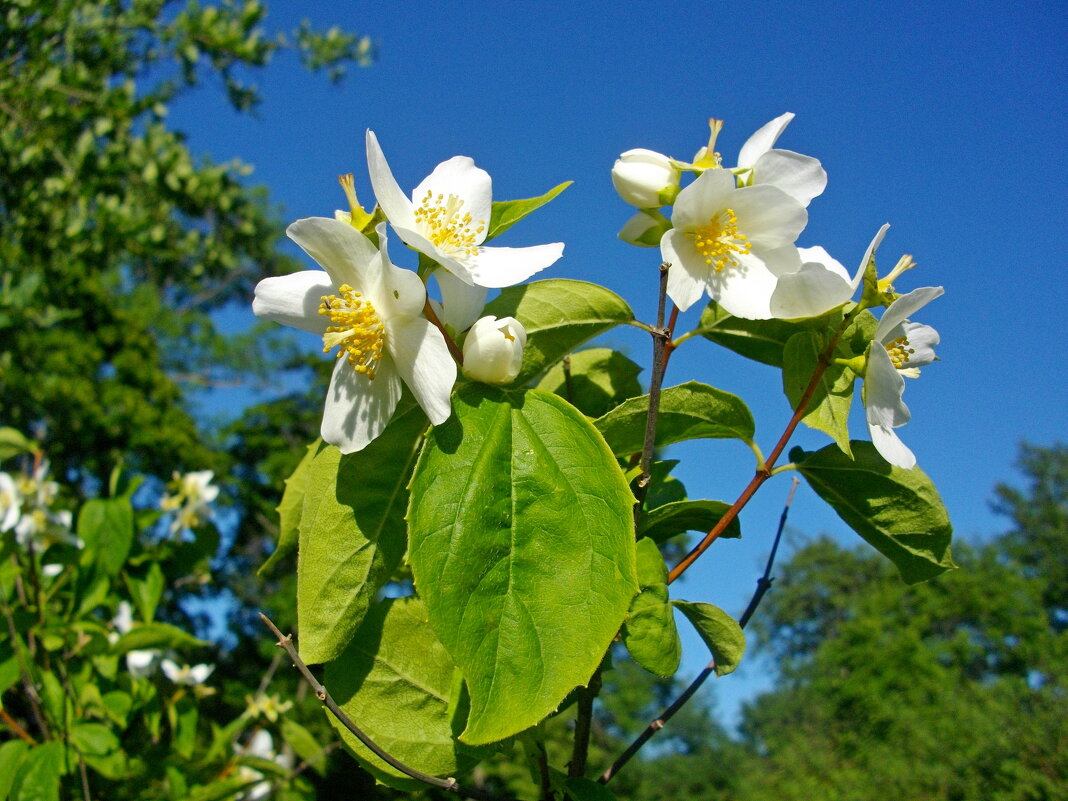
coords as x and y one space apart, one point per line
356 329
707 158
899 352
720 240
904 263
448 226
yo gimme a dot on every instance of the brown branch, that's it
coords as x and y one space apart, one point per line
580 751
763 585
454 349
285 642
21 732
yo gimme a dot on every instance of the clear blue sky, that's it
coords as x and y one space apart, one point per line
944 119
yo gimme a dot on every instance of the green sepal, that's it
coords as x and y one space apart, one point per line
522 547
290 509
506 213
593 380
721 633
352 533
649 631
898 512
689 411
664 522
559 315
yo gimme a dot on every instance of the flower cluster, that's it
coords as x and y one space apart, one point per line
27 507
189 499
377 315
732 236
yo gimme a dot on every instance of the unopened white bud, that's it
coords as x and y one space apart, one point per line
645 178
645 229
493 351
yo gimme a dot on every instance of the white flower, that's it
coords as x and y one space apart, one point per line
820 284
900 348
10 503
193 494
140 662
731 243
371 311
186 674
447 218
801 177
41 527
645 178
493 350
261 746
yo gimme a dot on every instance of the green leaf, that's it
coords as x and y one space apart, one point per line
720 631
898 512
106 527
649 631
156 635
146 592
290 509
352 532
100 749
595 380
558 315
506 213
12 443
11 754
760 340
395 680
583 789
666 521
522 546
38 774
220 789
828 407
664 488
688 411
9 667
304 744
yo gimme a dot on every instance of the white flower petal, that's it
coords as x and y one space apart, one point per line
903 308
460 177
340 249
711 193
891 447
462 303
392 290
745 288
687 277
872 247
424 362
811 291
769 217
395 204
883 388
198 674
801 177
416 241
171 670
499 267
763 140
358 408
141 663
922 339
294 300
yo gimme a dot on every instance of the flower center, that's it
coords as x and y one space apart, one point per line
899 352
356 329
447 225
720 241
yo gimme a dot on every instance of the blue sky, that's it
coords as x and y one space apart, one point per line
944 119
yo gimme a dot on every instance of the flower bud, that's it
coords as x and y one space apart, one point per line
493 351
645 178
645 229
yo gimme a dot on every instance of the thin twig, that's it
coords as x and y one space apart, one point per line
763 585
584 704
545 779
21 732
285 641
661 340
454 349
764 472
28 686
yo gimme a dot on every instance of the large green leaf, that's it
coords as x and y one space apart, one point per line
106 527
11 754
522 546
558 315
898 512
39 772
649 631
828 406
395 680
688 411
595 380
721 633
506 213
666 521
760 340
352 532
290 509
